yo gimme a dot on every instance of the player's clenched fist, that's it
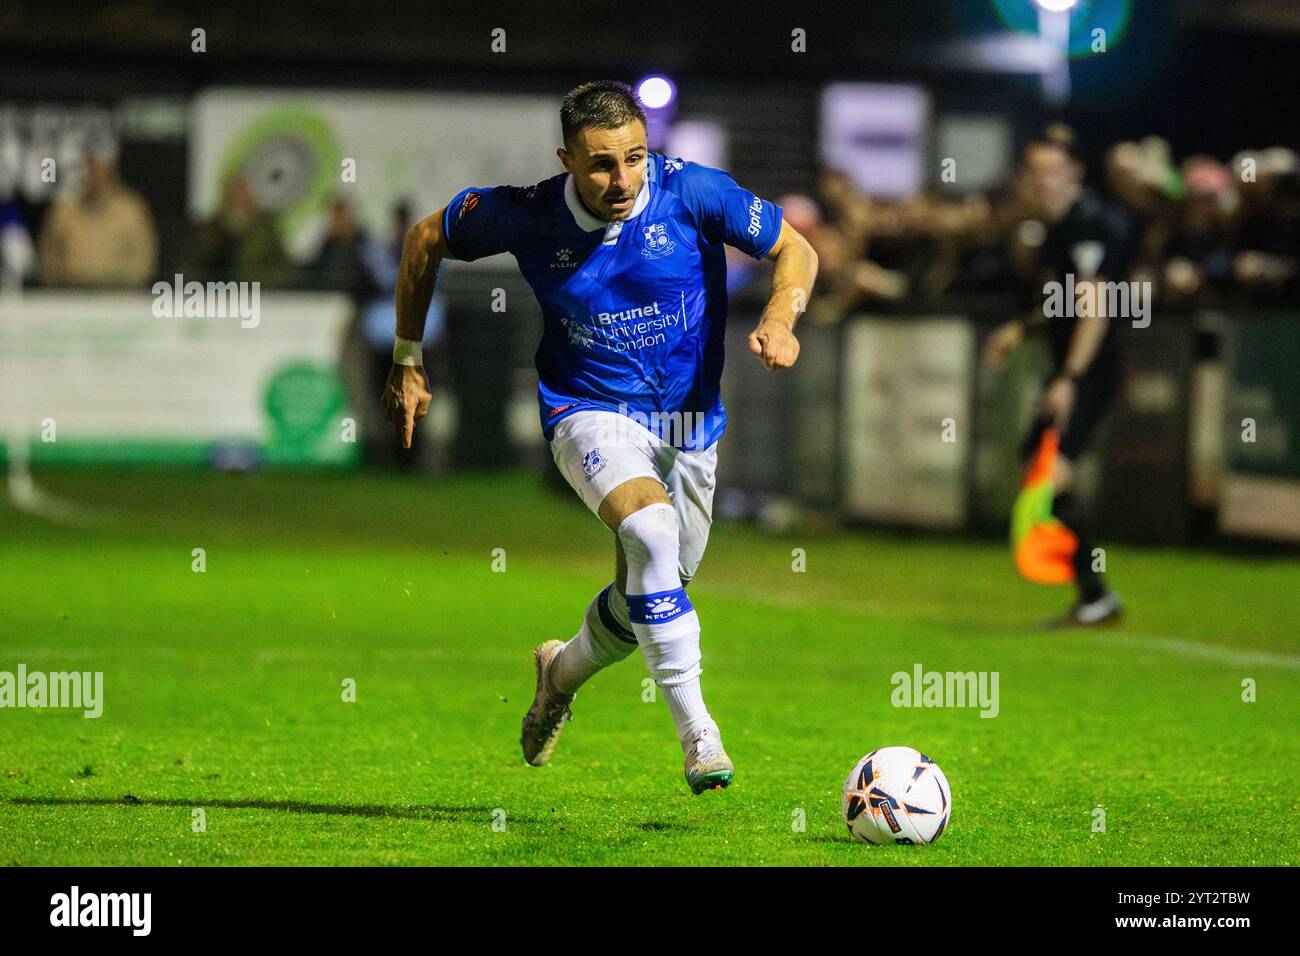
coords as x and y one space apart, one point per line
406 399
775 344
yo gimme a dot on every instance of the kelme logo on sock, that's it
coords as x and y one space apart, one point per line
659 607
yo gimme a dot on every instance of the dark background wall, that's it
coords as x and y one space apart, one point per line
1209 77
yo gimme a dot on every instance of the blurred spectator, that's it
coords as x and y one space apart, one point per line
1205 234
17 254
802 213
381 257
898 243
339 266
1268 243
1197 255
102 237
847 279
239 244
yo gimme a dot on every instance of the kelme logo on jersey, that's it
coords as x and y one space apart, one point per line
593 463
657 244
564 259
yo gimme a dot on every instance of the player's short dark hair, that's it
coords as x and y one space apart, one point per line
604 104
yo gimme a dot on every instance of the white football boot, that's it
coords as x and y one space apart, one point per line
1107 609
707 765
545 719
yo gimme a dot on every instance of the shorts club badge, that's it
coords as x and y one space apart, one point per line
593 463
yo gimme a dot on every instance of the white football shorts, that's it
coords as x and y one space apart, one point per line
597 451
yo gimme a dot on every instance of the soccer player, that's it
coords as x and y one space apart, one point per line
1089 243
624 251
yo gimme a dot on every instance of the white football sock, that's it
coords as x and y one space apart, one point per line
663 619
687 699
605 638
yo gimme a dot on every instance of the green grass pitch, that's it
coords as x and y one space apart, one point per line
223 689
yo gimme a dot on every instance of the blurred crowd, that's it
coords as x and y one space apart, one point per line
100 234
1204 233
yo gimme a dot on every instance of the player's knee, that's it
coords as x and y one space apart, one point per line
650 536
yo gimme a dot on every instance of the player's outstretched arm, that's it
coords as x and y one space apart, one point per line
407 394
792 283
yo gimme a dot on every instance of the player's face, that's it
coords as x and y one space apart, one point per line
608 167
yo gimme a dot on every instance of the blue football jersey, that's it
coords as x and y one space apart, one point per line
634 312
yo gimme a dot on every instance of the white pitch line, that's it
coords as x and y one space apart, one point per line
1215 652
1150 642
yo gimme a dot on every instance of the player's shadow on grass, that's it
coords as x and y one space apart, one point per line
411 812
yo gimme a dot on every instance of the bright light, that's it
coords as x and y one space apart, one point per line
656 92
1057 6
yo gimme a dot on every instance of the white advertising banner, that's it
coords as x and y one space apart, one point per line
301 148
906 419
106 378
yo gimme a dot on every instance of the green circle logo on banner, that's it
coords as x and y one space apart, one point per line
302 400
291 158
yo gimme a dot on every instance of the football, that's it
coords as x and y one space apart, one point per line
896 795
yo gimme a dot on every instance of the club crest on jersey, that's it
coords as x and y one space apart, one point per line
593 463
657 244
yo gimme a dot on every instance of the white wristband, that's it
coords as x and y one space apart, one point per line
407 352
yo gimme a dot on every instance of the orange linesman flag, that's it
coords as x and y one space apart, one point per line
1043 547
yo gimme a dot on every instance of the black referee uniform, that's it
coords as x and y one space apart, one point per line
1089 242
